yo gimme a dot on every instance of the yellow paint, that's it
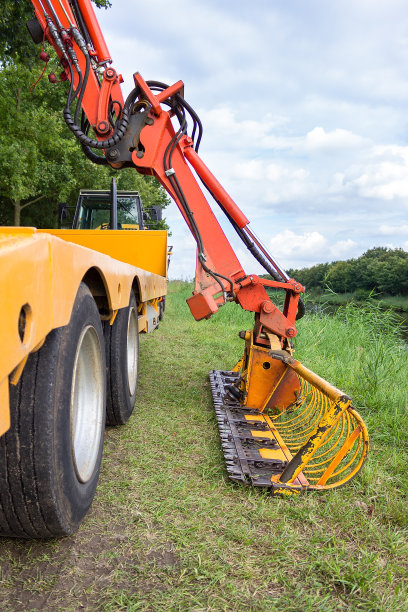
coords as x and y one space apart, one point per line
262 375
113 317
279 438
286 492
317 437
254 417
4 406
319 383
238 365
272 453
142 323
262 434
348 444
145 249
319 434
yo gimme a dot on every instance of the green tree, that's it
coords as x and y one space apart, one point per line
340 277
15 41
311 278
379 269
41 163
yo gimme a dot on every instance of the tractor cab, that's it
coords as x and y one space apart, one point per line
112 209
94 210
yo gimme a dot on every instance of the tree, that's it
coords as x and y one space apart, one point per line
15 41
340 277
31 138
379 269
311 278
41 163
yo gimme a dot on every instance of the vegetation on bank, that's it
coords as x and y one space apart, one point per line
395 302
169 531
380 270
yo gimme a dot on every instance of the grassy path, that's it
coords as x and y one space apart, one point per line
169 531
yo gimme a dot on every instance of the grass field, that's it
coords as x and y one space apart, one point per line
169 531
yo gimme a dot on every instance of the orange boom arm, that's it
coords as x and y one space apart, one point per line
140 133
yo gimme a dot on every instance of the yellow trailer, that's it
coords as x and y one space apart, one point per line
73 303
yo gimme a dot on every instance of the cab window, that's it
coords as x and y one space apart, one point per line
95 212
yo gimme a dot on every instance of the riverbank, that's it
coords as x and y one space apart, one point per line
396 302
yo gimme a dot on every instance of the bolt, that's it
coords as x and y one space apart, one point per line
291 332
114 154
267 306
102 127
109 74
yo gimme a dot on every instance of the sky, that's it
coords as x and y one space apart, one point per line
304 105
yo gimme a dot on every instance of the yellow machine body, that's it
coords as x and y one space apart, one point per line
40 274
145 249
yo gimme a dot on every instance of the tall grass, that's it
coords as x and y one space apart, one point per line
361 350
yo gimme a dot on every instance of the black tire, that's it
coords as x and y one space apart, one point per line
48 475
161 311
122 345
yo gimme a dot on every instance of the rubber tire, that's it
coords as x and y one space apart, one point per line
119 403
40 494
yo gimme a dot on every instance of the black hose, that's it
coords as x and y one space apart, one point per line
120 127
253 249
80 21
100 160
158 85
82 92
189 214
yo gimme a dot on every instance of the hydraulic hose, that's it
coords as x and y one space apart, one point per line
253 249
120 128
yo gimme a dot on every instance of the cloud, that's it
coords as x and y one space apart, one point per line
260 131
280 182
383 175
303 107
334 141
297 250
394 230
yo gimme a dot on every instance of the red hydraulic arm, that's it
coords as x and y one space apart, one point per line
139 133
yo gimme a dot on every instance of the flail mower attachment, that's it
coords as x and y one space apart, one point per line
283 427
